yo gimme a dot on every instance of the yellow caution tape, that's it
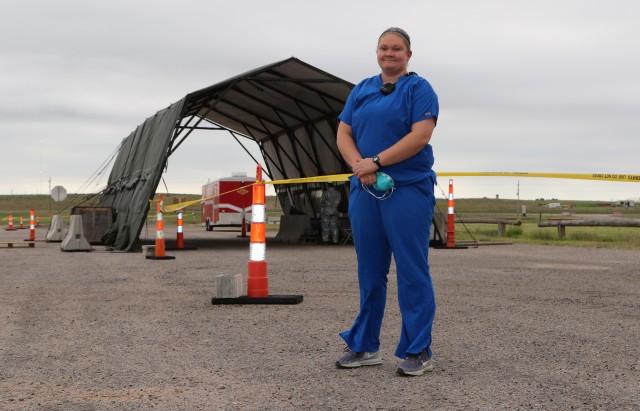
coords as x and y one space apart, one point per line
179 206
334 178
317 179
628 178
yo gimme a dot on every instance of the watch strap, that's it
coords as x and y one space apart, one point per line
376 160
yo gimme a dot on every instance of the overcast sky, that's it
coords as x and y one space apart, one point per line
544 86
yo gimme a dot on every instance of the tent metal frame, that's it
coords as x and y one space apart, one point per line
266 123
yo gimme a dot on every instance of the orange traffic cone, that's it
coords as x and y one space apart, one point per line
21 227
243 230
160 251
32 226
180 235
257 281
11 227
451 225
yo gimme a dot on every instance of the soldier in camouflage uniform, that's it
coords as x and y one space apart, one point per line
329 214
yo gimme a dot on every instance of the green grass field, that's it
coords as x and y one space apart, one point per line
44 208
528 232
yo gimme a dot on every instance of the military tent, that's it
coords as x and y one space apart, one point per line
288 108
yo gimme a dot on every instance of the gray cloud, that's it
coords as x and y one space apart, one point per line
545 86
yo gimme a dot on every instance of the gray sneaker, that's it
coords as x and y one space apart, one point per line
415 364
352 359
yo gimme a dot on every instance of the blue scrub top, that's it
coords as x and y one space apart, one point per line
379 121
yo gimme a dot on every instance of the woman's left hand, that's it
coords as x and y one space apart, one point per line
368 179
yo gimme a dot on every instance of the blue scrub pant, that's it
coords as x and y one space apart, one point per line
399 225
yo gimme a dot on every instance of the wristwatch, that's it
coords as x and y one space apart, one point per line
376 160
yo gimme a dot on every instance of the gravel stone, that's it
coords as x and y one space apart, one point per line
517 327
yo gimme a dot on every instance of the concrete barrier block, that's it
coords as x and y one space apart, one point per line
228 286
148 250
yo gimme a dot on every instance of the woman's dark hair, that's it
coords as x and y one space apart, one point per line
399 31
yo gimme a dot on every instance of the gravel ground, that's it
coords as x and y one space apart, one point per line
518 327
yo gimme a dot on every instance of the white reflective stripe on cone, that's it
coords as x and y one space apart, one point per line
258 213
257 251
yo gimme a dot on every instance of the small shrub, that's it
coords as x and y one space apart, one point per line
514 232
583 236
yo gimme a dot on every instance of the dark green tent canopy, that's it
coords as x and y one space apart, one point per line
288 108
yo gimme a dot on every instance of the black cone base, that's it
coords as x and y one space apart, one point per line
270 299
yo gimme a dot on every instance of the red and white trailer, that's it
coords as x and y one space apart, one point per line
228 201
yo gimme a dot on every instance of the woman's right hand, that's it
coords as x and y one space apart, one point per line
364 167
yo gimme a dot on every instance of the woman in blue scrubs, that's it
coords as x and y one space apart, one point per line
386 127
